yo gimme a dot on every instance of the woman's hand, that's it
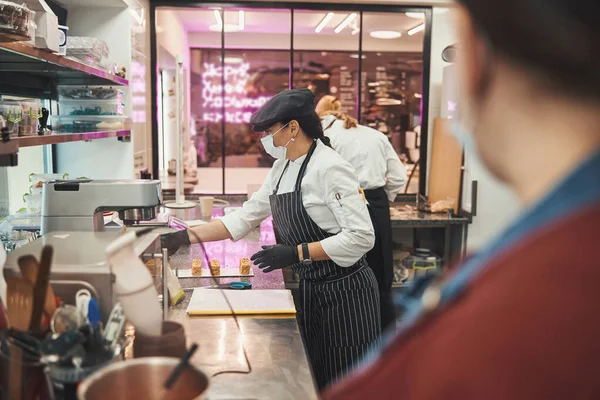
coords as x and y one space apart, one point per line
173 241
275 257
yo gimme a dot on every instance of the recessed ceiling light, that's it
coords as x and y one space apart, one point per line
226 28
415 15
241 20
324 22
234 60
218 17
416 29
388 102
385 34
345 23
356 56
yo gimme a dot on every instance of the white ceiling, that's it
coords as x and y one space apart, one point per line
279 21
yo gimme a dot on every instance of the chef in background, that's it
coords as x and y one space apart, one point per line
323 232
328 103
382 176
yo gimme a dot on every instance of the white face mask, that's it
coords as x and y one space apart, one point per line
275 151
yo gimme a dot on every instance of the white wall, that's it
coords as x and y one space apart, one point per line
442 35
111 25
173 39
14 181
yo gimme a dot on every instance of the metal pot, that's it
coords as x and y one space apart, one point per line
143 378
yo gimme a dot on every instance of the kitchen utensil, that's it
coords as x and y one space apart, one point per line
232 285
41 287
30 269
114 325
19 297
144 379
93 312
43 127
66 318
243 302
82 300
171 342
35 383
182 364
62 348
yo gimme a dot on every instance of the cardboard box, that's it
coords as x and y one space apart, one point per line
46 34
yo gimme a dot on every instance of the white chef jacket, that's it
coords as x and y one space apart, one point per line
370 153
331 197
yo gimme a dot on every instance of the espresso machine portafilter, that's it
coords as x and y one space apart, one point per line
79 205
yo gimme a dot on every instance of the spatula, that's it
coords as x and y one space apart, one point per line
19 305
31 270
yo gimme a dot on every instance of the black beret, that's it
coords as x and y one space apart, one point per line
288 104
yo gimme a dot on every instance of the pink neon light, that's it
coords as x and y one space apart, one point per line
239 107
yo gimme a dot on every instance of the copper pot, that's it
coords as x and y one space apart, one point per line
170 344
144 379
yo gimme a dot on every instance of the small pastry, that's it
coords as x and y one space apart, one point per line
196 267
245 266
215 268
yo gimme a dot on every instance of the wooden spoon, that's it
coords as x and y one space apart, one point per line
19 305
30 269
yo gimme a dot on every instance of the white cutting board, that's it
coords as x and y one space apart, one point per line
243 302
225 273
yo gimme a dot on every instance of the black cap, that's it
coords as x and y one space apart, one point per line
288 104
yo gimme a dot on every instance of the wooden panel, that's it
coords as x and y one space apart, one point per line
446 163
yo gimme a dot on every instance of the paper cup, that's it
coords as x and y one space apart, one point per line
206 206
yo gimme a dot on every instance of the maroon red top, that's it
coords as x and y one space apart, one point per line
528 328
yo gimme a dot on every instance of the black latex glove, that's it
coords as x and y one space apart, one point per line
275 257
173 241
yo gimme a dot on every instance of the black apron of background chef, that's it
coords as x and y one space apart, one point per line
338 312
380 257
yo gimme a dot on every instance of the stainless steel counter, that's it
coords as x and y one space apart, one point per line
280 369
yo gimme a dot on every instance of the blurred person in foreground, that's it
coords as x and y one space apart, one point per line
519 320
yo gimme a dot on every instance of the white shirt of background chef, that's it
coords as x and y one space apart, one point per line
331 197
370 153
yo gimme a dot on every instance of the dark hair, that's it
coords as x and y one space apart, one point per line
311 126
557 40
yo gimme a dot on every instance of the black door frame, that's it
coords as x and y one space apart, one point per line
361 8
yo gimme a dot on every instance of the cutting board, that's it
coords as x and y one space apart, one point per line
225 273
243 302
446 164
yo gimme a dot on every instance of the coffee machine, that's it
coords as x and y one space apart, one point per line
79 205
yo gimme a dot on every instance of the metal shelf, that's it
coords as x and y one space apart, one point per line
27 71
28 141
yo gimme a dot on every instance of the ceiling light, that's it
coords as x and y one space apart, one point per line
356 56
388 102
241 22
233 60
324 22
415 15
226 28
385 34
345 23
416 29
218 17
418 95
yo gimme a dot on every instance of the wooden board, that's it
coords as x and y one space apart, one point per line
446 163
243 302
225 273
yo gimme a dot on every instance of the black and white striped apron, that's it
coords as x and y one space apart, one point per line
339 315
